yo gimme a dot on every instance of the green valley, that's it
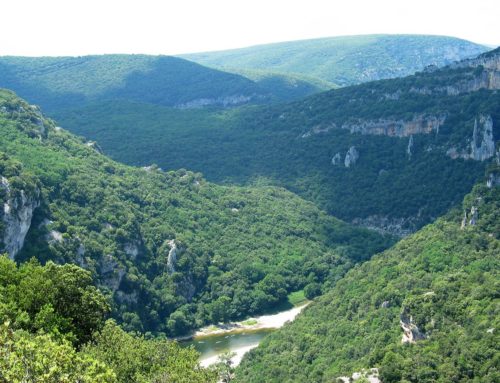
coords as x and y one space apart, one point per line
172 250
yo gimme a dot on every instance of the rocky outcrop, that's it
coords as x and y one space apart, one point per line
471 218
351 157
318 129
17 212
409 148
493 180
486 77
132 249
111 272
400 227
172 256
94 145
336 159
219 101
370 376
420 124
482 144
411 333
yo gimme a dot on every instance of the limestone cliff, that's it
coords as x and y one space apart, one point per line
17 212
482 143
420 124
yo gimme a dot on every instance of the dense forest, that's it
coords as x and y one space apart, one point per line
174 251
440 283
303 146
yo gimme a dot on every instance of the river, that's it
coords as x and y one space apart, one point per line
237 337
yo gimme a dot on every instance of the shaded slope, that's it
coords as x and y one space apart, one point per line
415 138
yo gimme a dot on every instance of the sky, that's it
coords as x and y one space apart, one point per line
81 27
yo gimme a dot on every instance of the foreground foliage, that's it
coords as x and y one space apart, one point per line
53 330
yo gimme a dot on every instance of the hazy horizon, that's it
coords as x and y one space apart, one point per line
61 28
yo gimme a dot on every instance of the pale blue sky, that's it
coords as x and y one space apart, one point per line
79 27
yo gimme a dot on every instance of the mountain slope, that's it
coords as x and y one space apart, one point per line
61 82
424 311
172 250
379 154
345 60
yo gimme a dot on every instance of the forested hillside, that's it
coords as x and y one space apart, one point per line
344 60
172 251
424 311
57 83
391 155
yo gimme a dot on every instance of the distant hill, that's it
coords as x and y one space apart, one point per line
57 83
391 154
344 60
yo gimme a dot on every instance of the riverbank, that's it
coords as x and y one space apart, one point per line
263 322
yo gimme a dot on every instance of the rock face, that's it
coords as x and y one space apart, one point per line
351 157
482 145
420 124
400 227
370 376
112 273
409 148
220 101
488 77
493 180
18 211
336 159
411 333
471 218
172 256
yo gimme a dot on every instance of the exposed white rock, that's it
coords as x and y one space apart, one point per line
234 210
54 236
172 256
94 145
131 249
351 157
222 101
420 124
371 375
336 159
17 214
409 148
473 216
493 180
482 145
400 227
411 332
318 129
112 272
